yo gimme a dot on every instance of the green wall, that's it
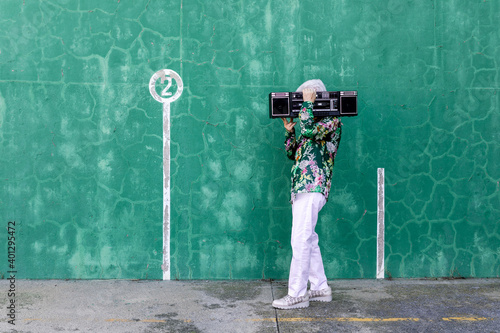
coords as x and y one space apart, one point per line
81 136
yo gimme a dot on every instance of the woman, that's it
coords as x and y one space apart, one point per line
314 153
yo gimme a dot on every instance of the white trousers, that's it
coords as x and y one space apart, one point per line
307 264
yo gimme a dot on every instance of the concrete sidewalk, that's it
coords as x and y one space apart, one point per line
245 306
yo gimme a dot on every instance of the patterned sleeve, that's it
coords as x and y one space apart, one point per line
321 130
306 118
290 145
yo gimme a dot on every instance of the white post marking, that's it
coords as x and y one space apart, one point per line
380 223
166 191
166 75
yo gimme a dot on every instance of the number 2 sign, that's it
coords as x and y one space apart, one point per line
166 75
166 98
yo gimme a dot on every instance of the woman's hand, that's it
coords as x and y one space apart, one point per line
309 95
289 125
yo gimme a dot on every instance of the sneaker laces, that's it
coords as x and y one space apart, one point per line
321 292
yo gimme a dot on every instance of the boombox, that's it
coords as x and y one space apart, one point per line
327 103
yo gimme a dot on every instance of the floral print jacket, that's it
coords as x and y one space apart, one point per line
313 152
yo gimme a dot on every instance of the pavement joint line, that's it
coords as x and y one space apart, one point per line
289 319
275 310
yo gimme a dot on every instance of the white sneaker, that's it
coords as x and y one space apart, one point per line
289 302
323 295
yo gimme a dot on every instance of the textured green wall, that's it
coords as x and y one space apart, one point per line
81 137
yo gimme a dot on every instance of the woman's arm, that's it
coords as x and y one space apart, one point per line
290 141
308 127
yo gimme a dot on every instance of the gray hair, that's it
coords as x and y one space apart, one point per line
315 84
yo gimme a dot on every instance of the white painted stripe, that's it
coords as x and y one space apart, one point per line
166 191
380 223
